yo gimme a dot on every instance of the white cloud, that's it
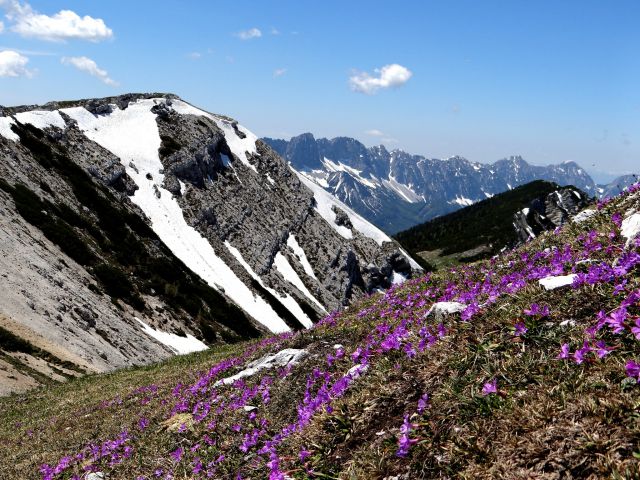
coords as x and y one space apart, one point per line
1 27
393 75
87 65
64 25
194 55
278 72
374 132
249 34
275 31
12 64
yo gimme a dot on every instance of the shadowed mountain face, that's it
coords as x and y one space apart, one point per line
396 190
138 226
617 186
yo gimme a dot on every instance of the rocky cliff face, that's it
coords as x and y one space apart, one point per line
396 190
139 226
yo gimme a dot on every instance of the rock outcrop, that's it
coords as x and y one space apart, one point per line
549 212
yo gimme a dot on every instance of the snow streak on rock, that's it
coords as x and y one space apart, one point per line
132 134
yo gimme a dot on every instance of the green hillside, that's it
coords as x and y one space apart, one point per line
477 231
480 372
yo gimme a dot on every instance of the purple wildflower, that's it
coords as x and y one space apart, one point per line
404 442
304 454
423 403
177 454
636 330
143 423
633 369
520 329
616 320
490 387
580 355
602 350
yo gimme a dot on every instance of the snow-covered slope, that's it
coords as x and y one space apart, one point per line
132 135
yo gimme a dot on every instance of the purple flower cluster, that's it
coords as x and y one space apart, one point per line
402 329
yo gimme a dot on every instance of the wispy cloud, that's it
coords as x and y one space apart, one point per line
13 64
85 64
194 55
64 25
274 31
393 75
278 72
374 132
1 26
384 138
249 34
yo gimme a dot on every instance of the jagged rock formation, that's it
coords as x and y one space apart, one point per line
396 190
137 227
549 212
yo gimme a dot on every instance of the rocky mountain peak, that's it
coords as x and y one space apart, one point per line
178 228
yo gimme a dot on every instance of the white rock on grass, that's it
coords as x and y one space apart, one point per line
286 357
444 308
551 282
584 215
630 228
95 476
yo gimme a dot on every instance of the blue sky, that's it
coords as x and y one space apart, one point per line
548 80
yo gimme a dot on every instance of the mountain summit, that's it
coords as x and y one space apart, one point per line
139 226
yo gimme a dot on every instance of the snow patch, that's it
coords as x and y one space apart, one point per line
398 278
132 134
553 282
42 119
292 243
239 146
341 167
462 201
284 267
404 191
181 345
270 180
287 300
5 129
325 201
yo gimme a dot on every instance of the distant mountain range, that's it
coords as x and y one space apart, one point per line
485 228
396 190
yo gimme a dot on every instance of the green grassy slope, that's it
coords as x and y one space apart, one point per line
487 223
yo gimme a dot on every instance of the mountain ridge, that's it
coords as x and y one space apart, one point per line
148 205
396 190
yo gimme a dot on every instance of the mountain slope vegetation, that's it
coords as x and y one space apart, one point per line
523 366
483 229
